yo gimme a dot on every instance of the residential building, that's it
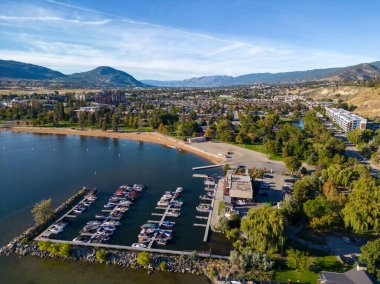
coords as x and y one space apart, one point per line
353 276
346 120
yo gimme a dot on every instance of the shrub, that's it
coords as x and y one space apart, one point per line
163 266
143 258
101 255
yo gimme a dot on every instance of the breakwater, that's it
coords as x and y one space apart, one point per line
35 230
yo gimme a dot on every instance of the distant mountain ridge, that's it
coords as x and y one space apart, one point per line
106 76
103 76
19 70
12 72
351 73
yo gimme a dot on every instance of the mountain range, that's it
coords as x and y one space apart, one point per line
100 77
13 73
364 71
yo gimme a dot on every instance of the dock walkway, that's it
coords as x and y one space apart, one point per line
164 215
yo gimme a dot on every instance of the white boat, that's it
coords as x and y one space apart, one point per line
173 213
138 245
179 189
125 203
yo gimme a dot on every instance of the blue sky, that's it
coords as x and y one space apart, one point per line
172 39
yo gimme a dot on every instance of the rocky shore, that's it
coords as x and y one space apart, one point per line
124 259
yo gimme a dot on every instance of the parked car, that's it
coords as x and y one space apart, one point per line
263 193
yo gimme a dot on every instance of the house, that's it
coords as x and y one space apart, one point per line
353 276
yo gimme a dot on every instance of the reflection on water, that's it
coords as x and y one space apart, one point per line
17 270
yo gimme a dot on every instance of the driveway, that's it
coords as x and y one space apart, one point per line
339 247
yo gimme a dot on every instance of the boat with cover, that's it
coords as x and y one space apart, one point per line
168 224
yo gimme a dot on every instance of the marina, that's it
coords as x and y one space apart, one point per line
153 232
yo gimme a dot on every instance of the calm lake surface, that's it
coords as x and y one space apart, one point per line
35 166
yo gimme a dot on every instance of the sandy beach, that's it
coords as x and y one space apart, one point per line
153 137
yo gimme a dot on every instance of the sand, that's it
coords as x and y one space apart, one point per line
153 137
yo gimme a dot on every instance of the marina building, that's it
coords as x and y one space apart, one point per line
346 120
239 186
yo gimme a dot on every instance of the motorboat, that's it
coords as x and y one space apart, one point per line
138 187
79 209
126 203
101 216
112 223
162 203
179 189
168 224
203 208
205 197
139 245
95 223
173 213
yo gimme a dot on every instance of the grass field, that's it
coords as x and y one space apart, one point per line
321 263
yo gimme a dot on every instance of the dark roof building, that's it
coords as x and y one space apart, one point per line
353 276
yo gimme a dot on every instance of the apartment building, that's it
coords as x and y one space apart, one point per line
346 120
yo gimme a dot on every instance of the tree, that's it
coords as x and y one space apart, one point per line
371 256
143 258
362 210
290 208
115 122
306 188
271 147
209 133
81 119
104 124
101 255
161 128
264 229
163 266
297 260
292 163
42 211
315 207
239 139
223 223
224 130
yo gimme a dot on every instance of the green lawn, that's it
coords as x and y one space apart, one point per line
304 276
221 206
321 263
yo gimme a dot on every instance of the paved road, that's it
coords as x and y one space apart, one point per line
241 156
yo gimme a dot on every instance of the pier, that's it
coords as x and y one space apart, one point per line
208 167
210 188
163 216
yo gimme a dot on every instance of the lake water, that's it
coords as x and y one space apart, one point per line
35 166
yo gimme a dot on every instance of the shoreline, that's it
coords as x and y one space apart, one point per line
153 137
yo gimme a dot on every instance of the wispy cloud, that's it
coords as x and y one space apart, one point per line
52 19
72 39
